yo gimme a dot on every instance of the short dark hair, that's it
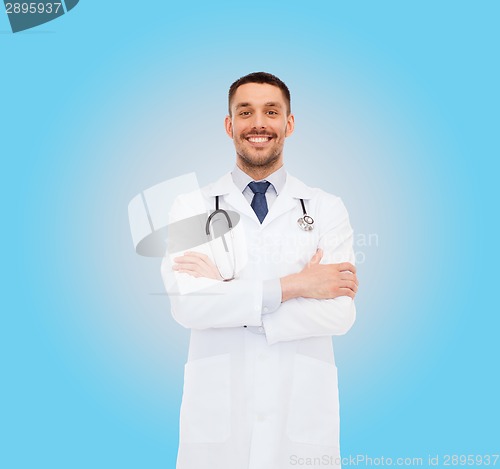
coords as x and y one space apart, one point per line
260 77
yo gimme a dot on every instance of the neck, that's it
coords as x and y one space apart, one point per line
259 172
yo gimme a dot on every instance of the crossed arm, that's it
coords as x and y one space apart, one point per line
315 301
315 280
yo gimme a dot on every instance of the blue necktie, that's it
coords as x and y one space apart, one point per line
259 202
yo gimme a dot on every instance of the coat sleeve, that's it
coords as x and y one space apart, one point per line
215 303
300 318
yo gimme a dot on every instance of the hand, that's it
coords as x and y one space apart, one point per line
321 281
197 265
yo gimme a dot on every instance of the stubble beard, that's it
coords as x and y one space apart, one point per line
260 162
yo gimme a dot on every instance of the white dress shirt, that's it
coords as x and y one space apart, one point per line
271 295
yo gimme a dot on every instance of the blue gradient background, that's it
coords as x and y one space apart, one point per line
396 108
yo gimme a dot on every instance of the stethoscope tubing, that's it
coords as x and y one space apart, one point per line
306 223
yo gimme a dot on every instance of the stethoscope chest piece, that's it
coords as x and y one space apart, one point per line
306 223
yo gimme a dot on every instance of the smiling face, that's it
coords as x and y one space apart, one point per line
258 125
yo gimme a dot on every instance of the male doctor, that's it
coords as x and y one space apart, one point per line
260 383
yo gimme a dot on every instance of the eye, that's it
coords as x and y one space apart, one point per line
244 113
272 113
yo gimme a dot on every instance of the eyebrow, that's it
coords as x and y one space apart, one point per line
269 104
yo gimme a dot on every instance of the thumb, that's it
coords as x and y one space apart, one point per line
317 257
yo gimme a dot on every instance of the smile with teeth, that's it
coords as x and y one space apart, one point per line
259 139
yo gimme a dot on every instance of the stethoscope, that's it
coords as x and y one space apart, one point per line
306 223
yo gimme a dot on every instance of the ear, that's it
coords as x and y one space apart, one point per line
228 124
290 125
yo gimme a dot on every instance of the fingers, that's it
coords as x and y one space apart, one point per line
347 292
349 276
344 282
190 268
346 267
196 264
193 256
192 263
317 257
351 285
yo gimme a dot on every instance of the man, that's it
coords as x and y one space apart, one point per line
260 384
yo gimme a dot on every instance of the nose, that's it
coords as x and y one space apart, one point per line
258 121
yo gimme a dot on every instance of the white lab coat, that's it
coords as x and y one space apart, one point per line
263 396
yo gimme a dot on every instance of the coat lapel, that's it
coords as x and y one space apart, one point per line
287 200
232 196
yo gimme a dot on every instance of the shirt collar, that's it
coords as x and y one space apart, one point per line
241 179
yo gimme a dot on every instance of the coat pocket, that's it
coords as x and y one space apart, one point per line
313 416
205 415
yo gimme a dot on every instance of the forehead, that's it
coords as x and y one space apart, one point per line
258 94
